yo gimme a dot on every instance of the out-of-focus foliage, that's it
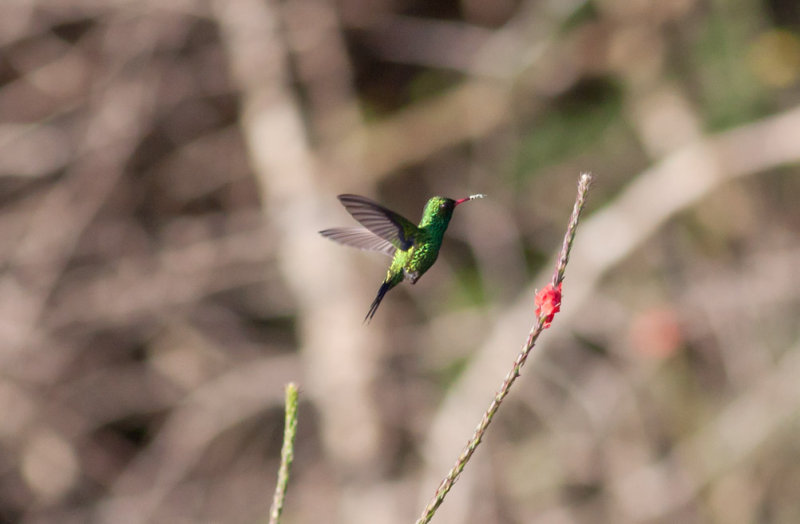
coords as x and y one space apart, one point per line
165 167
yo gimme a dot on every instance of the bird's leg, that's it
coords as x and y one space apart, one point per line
411 276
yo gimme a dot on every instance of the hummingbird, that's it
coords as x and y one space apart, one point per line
413 248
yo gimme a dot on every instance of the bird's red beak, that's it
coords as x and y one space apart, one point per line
471 197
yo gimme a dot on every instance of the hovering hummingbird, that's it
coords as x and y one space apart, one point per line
413 248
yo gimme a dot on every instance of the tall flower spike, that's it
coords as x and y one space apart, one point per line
548 303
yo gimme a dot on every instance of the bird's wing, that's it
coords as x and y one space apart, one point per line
383 222
360 238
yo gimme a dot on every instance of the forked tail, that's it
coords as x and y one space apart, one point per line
385 287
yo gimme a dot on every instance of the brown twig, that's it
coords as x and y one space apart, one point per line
544 316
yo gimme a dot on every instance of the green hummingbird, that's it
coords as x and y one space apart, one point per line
413 248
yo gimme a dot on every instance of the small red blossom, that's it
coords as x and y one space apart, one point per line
548 303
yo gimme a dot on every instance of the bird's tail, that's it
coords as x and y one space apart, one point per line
385 287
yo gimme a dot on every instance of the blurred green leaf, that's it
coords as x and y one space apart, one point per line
575 122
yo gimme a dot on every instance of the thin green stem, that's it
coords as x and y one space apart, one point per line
287 453
536 330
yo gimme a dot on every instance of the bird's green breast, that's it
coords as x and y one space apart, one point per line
424 255
411 264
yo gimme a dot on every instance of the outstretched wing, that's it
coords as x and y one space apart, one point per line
383 222
360 238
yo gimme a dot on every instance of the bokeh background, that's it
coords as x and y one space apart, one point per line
165 166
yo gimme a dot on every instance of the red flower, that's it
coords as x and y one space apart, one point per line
548 303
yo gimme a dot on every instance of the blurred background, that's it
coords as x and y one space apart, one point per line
165 167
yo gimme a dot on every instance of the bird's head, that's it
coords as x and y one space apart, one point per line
441 208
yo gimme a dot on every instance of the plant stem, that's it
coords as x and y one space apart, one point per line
536 330
287 453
